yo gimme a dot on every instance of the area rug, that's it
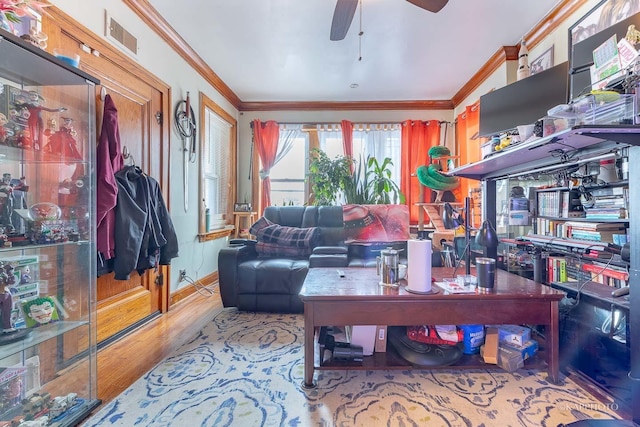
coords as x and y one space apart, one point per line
246 369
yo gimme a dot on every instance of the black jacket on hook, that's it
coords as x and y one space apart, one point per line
145 236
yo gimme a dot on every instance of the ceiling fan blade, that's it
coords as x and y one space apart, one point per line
342 17
430 5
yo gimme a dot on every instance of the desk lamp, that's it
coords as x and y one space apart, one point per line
487 235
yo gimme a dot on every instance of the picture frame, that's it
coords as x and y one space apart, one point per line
607 18
542 62
242 207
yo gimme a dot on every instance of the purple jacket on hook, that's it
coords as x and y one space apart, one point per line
109 160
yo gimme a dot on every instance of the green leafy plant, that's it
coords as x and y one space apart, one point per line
370 182
380 186
328 177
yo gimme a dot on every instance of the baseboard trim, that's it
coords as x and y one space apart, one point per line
115 337
186 291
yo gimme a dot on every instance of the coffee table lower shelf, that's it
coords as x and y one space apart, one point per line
391 360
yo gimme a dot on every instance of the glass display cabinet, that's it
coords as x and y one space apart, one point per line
47 238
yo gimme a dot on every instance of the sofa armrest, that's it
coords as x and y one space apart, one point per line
330 250
228 260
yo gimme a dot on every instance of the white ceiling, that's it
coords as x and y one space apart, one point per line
279 50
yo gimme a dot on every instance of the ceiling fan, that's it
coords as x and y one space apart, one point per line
345 9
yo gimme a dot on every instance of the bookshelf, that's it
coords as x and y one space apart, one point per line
575 243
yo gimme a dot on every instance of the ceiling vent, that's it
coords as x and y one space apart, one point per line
118 34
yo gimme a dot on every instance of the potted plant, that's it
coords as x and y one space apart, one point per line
328 177
370 182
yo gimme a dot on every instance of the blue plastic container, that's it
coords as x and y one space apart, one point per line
473 338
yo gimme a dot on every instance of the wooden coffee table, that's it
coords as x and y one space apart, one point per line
358 299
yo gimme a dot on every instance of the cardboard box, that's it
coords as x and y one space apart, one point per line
489 350
514 334
527 350
509 358
381 339
362 335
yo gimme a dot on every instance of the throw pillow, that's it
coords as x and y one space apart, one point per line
375 223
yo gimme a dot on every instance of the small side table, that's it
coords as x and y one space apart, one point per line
243 219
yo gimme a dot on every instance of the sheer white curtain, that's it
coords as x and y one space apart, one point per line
330 140
288 134
379 142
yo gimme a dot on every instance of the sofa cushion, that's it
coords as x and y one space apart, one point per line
375 223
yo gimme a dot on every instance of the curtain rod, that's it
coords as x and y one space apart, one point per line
364 122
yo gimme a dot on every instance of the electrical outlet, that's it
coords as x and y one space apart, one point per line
183 276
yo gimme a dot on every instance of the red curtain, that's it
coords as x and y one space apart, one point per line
266 136
417 138
347 139
468 143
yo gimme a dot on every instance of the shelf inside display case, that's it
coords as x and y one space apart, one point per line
39 335
556 149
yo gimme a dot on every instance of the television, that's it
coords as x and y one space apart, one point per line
525 101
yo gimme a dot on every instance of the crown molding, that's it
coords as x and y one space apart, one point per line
160 26
505 53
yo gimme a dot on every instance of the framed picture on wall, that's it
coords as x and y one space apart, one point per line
601 17
542 62
242 207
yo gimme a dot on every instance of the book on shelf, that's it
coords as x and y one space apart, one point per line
606 191
607 275
556 268
609 202
586 225
564 204
598 236
606 213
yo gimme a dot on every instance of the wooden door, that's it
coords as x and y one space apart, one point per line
141 100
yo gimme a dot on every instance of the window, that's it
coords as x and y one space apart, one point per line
288 184
217 166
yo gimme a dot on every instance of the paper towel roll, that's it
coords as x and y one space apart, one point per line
419 265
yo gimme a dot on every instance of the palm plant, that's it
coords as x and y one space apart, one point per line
380 186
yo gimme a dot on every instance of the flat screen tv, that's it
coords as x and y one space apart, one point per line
523 102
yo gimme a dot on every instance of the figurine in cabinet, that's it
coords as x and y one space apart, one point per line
3 130
6 202
39 311
6 306
35 123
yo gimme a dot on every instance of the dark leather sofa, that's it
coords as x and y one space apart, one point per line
272 284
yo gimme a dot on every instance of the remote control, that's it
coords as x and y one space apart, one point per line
340 273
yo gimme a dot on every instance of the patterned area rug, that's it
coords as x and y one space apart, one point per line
246 369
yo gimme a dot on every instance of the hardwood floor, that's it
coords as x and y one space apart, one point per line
120 364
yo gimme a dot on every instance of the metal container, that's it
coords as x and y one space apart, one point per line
486 272
387 266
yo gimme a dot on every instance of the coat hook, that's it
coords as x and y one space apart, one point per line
158 117
103 93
